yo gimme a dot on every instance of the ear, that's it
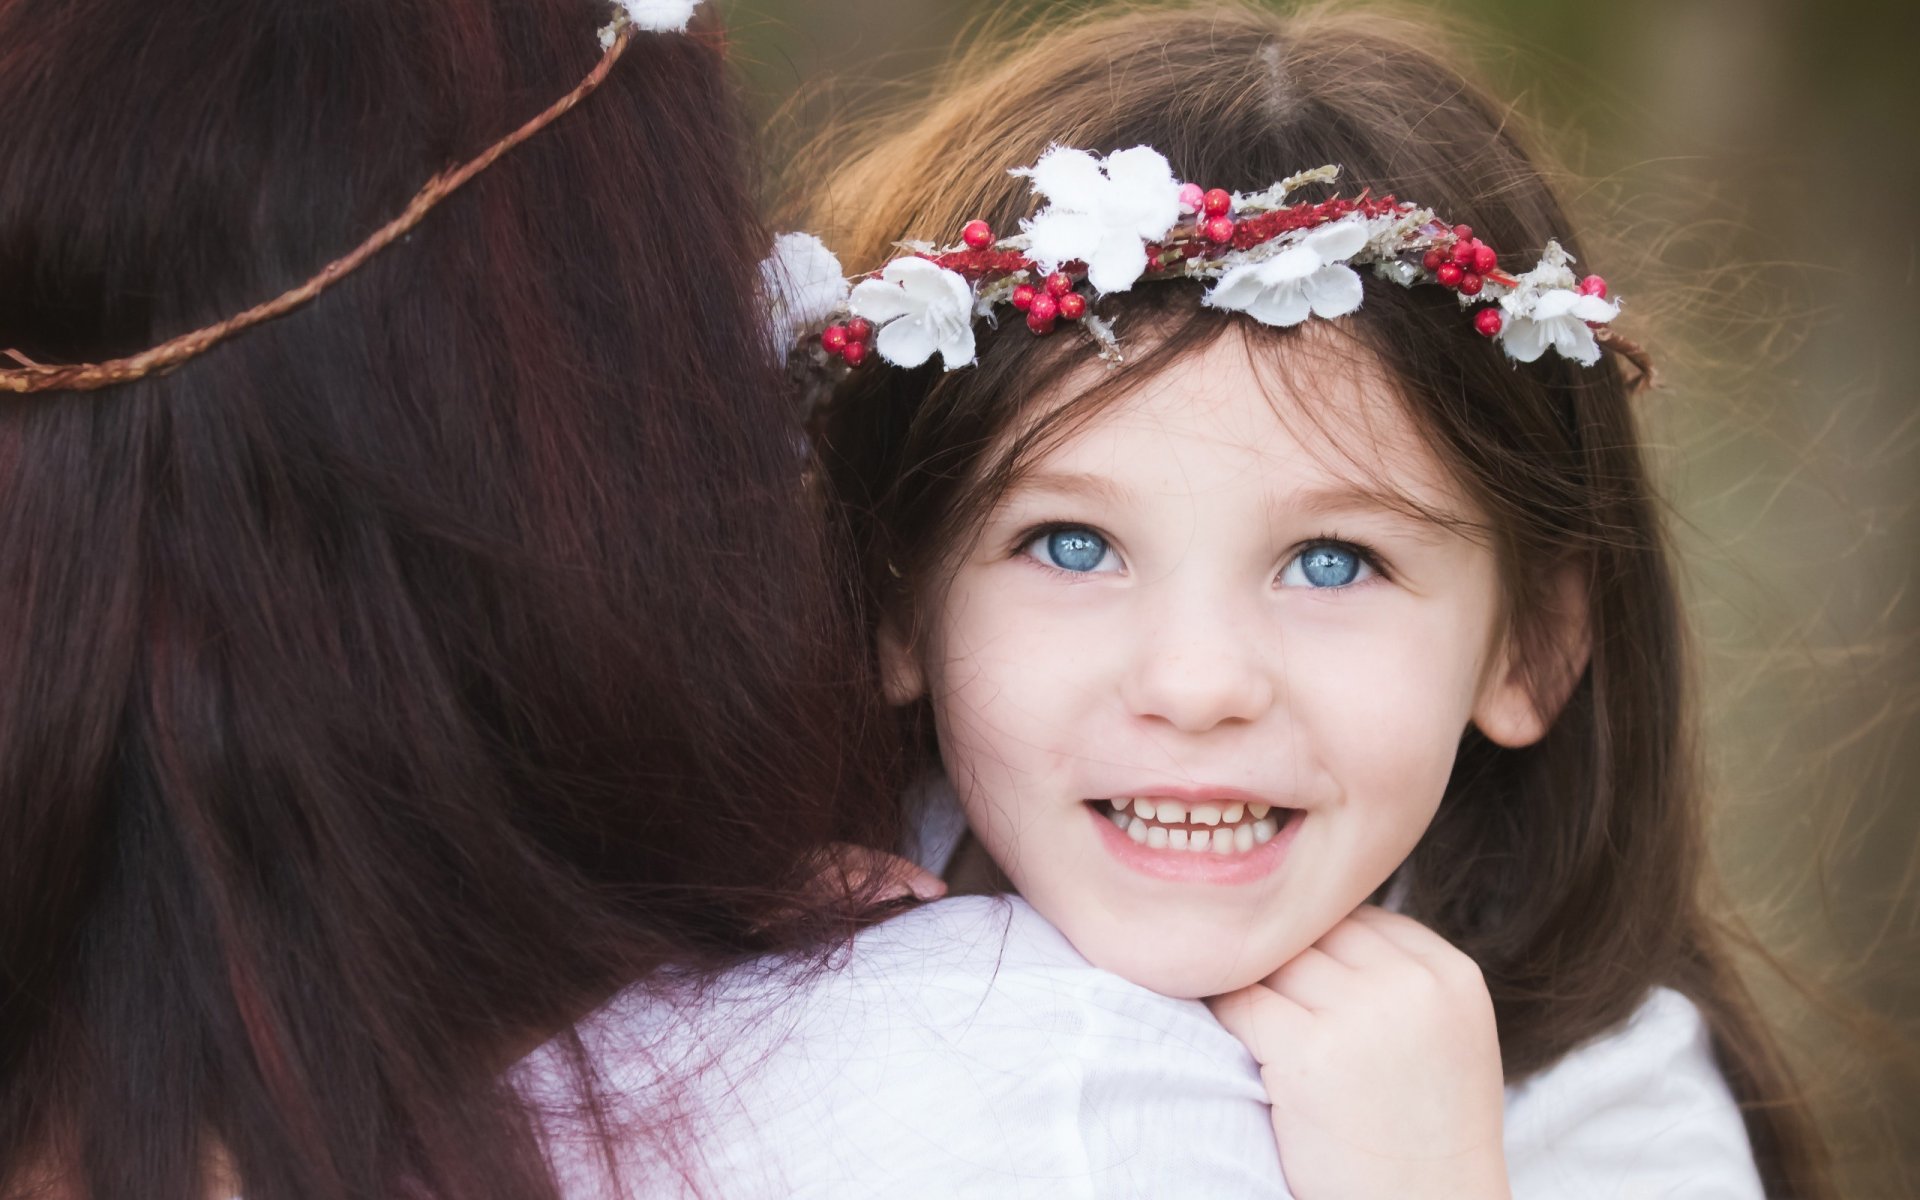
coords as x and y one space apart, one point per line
901 679
1524 692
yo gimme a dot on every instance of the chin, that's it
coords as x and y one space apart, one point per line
1173 962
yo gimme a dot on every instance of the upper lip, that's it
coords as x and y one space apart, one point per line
1192 793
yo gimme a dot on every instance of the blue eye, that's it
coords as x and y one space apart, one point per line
1072 549
1326 565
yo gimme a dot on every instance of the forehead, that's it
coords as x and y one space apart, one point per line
1311 411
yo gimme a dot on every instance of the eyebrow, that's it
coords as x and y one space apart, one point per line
1337 499
1332 500
1070 483
1348 500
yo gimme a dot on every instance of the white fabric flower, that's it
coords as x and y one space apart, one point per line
1309 277
919 307
803 285
1101 213
1557 318
660 16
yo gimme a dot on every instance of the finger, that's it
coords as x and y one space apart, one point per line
1403 931
924 884
1435 954
1263 1020
891 876
1313 979
1355 943
901 877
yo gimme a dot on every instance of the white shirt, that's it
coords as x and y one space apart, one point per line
966 1050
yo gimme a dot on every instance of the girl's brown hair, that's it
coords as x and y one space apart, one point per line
384 688
1573 871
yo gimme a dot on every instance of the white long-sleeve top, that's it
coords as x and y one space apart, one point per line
966 1050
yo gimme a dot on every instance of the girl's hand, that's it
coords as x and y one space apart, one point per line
1378 1049
862 866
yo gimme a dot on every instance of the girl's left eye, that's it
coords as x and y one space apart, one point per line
1072 548
1326 565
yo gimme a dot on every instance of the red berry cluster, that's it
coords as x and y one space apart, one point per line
1054 300
849 342
1465 265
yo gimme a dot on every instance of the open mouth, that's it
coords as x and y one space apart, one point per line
1197 828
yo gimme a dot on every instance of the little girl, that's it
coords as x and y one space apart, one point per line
1258 541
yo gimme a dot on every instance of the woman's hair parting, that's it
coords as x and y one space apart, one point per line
393 681
1574 871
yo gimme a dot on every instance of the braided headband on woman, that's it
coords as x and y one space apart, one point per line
660 16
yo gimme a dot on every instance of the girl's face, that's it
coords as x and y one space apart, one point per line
1198 693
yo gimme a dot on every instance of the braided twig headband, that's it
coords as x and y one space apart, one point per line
1110 223
655 15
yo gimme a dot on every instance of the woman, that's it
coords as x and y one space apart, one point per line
392 682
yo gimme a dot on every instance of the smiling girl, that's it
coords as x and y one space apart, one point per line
1277 582
1198 691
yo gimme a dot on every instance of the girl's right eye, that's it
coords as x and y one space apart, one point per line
1072 548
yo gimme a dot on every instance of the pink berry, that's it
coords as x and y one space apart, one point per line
977 234
1073 306
1463 232
1487 321
1484 259
1593 285
1037 325
1449 274
1432 259
1044 308
1463 254
1192 196
855 353
859 329
834 338
1059 283
1470 284
1220 230
1218 202
1023 295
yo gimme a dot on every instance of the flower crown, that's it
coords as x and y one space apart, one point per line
653 16
1111 223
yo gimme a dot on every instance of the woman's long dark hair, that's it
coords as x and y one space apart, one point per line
384 688
1573 871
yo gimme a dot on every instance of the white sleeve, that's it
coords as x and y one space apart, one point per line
965 1050
1642 1113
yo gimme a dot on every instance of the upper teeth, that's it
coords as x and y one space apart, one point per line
1149 820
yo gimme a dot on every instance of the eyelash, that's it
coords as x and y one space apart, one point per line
1360 550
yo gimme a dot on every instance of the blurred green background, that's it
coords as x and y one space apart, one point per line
1765 152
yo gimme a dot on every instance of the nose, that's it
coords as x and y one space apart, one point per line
1199 666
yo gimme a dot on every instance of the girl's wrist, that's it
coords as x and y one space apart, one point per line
1477 1175
1482 1177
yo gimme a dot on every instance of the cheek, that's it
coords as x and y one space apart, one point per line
1007 681
983 684
1385 705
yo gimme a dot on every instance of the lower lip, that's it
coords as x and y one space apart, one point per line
1187 866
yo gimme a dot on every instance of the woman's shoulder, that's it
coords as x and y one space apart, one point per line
961 1001
1001 949
963 1048
978 968
1640 1110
